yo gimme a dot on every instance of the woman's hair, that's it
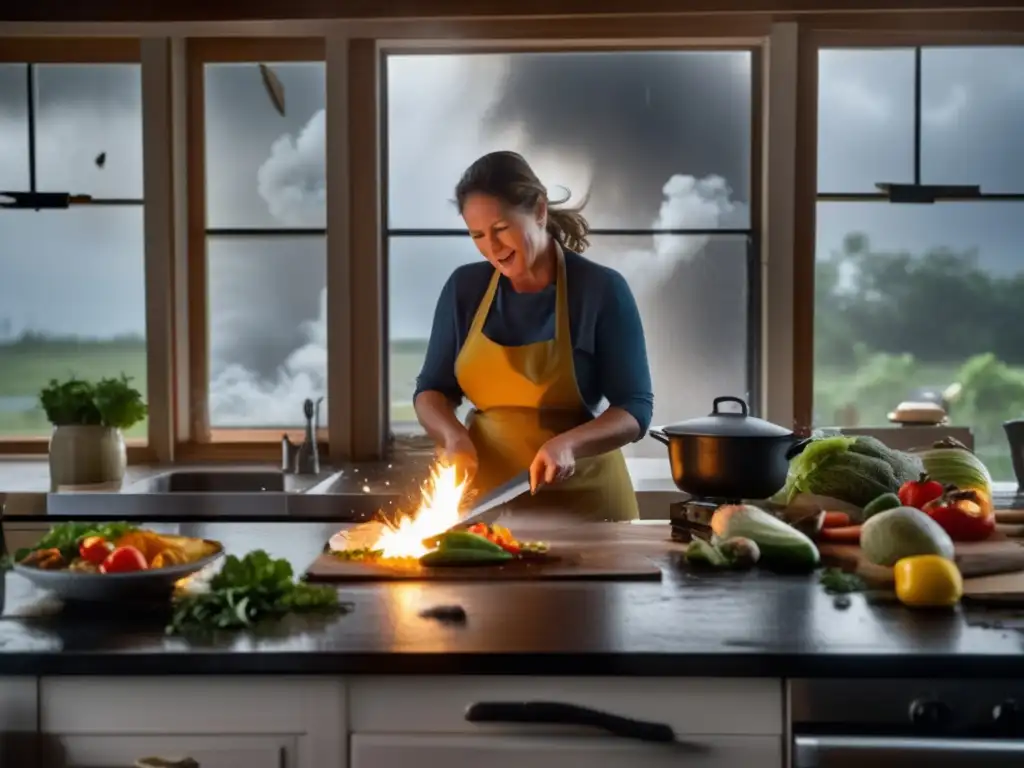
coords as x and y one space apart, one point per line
509 178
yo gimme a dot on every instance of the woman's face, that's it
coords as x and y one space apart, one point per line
509 238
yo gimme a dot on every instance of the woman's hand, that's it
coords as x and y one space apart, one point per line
554 462
458 449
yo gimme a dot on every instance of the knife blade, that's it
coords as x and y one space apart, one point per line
489 507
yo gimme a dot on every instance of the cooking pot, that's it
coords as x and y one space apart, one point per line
729 455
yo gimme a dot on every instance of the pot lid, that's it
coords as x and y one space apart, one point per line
727 423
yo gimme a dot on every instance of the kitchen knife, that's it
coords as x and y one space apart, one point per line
489 507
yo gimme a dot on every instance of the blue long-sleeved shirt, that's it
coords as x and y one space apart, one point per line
609 351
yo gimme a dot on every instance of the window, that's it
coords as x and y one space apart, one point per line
662 142
919 299
260 255
72 292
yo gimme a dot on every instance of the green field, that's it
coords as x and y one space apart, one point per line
27 366
875 387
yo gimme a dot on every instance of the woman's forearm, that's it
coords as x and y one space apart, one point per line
436 415
611 430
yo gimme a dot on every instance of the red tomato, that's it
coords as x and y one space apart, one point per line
94 549
124 560
962 515
917 493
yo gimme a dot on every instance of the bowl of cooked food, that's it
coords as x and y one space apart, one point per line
112 561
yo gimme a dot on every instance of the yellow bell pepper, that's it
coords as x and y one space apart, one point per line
928 581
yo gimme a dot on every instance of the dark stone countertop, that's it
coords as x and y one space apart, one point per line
721 624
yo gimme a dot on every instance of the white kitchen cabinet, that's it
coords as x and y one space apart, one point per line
517 751
221 722
433 705
246 751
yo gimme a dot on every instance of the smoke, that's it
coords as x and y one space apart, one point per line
252 393
444 111
291 181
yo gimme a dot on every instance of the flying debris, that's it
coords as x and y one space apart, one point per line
273 87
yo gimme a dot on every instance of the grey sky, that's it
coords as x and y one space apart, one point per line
664 129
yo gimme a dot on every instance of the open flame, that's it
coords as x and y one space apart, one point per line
438 511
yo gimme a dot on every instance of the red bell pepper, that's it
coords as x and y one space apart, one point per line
963 515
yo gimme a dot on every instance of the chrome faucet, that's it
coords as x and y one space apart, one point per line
303 459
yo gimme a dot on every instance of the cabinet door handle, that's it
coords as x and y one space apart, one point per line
557 713
166 762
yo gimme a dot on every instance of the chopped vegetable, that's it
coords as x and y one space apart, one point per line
780 543
903 532
95 549
124 560
740 552
362 553
838 581
458 557
928 581
855 470
847 534
836 520
702 553
246 591
950 462
917 493
963 515
881 504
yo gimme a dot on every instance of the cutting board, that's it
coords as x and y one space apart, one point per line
581 566
1003 588
997 555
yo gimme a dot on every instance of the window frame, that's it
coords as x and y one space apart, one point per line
95 50
981 29
371 430
196 440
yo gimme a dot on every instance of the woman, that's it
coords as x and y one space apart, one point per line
535 338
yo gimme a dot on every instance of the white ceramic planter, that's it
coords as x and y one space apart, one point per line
86 455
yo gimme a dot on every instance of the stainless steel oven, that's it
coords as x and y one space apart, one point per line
890 723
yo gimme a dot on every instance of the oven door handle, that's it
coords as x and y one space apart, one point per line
882 752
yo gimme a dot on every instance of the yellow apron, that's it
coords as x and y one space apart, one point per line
522 397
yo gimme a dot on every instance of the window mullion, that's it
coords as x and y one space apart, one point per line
368 270
158 218
339 283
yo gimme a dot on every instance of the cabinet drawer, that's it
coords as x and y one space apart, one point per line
189 705
208 751
687 705
511 751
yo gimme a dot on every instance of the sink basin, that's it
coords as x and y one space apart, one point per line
216 481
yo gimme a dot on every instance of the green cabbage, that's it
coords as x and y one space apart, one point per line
856 470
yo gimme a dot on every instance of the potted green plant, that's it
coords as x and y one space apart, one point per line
87 444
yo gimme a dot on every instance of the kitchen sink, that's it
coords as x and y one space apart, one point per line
215 481
230 494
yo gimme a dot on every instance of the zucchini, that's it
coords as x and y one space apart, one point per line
780 544
881 504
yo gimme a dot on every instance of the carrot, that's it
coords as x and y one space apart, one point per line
847 534
836 520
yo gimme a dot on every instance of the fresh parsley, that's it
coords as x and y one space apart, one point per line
360 554
246 591
839 582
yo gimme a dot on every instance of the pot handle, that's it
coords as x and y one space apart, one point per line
658 435
744 411
797 448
